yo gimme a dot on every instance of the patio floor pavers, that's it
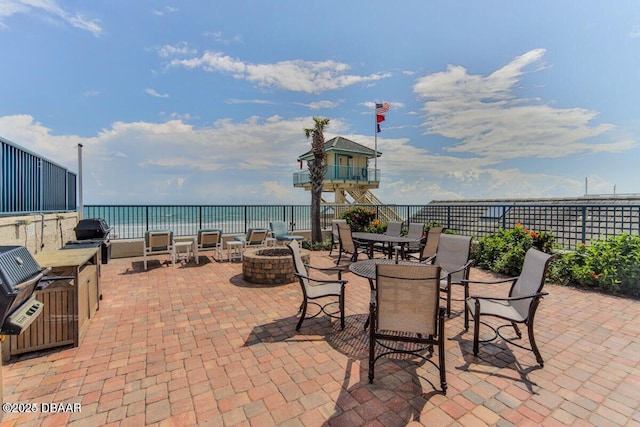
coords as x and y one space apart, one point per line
197 345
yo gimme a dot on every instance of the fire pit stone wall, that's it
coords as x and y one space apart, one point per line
270 266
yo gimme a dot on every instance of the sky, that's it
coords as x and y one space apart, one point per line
200 102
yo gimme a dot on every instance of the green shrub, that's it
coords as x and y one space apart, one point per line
358 218
503 251
376 227
611 265
325 245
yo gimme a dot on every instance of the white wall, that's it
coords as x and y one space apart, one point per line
28 231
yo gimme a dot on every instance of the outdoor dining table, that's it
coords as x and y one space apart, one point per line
367 268
385 239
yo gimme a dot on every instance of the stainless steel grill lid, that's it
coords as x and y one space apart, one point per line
20 273
17 265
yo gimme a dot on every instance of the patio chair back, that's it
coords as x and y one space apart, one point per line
531 279
209 238
430 248
346 240
334 228
157 241
299 266
335 235
256 237
453 253
278 228
407 298
416 229
394 228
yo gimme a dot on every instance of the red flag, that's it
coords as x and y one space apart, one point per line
380 118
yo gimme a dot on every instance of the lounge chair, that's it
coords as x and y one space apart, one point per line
519 307
314 288
254 237
209 240
281 233
404 308
159 242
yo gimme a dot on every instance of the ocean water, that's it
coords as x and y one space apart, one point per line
131 222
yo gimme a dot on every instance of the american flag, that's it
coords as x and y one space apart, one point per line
382 108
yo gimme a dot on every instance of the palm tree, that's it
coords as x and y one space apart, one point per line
317 168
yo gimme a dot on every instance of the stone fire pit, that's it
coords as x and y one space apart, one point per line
270 266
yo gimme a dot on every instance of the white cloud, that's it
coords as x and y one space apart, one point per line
249 101
166 9
50 8
152 92
487 119
178 49
218 37
175 162
293 75
319 105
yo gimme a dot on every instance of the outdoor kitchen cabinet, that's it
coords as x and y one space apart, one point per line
70 302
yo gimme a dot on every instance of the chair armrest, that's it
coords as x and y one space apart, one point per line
342 282
490 282
462 268
537 295
339 270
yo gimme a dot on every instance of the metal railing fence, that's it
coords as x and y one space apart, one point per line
31 183
571 224
336 172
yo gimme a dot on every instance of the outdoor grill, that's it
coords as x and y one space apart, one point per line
92 233
20 275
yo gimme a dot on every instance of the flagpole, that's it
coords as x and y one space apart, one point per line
375 133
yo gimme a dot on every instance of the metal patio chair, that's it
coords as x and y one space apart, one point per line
348 245
453 257
404 308
335 235
315 288
519 306
427 249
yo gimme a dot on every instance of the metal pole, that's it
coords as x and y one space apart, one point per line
80 199
375 133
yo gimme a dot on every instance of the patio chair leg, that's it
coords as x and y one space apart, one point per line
372 345
466 307
515 327
476 329
443 370
342 311
302 316
534 347
449 299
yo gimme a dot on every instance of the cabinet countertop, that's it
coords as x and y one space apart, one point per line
65 257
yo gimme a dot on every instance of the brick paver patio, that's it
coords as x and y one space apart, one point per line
197 345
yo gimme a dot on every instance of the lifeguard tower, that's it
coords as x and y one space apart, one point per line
348 174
